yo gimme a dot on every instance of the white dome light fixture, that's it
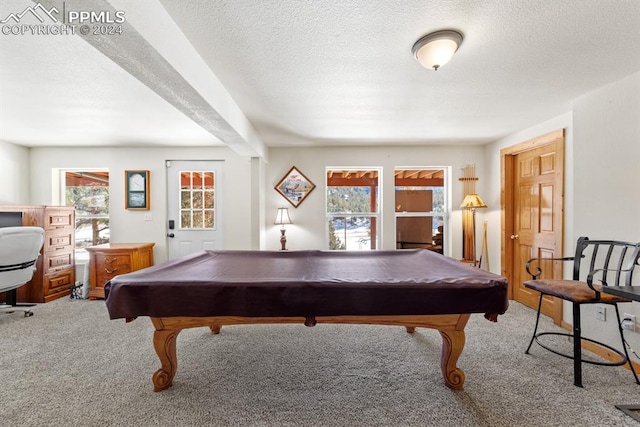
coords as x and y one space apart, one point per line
436 49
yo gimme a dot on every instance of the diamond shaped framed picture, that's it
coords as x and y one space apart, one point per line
295 187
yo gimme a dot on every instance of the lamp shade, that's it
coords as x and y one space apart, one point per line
436 49
282 217
472 201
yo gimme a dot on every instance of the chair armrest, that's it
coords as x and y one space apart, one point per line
603 272
538 272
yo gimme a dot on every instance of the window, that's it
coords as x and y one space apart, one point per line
421 208
197 197
88 192
353 208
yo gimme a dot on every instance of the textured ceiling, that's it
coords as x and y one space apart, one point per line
256 73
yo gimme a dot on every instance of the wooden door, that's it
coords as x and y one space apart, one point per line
533 179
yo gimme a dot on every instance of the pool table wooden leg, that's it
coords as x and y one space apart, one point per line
164 341
452 345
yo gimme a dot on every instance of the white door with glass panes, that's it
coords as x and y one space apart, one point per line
193 206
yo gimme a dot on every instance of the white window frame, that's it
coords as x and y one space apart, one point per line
377 215
61 193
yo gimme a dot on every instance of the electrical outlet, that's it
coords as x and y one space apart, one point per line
147 216
601 312
629 322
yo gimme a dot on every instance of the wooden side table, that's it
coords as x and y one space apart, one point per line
111 259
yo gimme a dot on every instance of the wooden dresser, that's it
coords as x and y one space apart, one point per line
111 259
55 268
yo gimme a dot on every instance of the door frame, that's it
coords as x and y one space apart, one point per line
507 208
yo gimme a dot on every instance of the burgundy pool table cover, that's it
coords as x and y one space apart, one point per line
306 283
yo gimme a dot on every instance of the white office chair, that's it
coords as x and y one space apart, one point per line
19 251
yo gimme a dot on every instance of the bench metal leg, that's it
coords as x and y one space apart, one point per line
577 346
535 329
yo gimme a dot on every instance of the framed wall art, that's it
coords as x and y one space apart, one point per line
295 187
136 185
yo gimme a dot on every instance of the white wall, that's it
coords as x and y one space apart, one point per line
14 174
258 172
607 161
129 226
309 231
607 180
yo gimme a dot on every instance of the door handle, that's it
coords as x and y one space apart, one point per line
514 237
171 235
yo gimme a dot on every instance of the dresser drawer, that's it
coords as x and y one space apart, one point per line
103 277
57 261
59 282
58 218
113 264
109 266
59 241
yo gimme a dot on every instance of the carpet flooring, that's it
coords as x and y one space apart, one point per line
69 365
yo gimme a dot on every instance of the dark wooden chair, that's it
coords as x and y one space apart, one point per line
611 263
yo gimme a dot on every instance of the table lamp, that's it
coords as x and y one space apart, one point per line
282 218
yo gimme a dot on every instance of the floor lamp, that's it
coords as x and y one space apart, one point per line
473 202
282 218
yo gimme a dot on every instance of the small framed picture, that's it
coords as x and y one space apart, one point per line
136 185
295 187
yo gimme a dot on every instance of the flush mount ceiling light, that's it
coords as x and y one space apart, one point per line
436 49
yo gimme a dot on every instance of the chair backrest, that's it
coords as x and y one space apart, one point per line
19 249
612 261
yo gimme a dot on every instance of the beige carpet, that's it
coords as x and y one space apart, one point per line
69 365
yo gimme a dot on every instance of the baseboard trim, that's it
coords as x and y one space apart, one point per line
602 351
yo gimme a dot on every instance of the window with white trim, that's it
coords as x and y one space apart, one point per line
88 191
353 208
420 208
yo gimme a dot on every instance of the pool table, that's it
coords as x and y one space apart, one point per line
410 288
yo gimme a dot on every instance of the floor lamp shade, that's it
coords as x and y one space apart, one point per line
473 201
